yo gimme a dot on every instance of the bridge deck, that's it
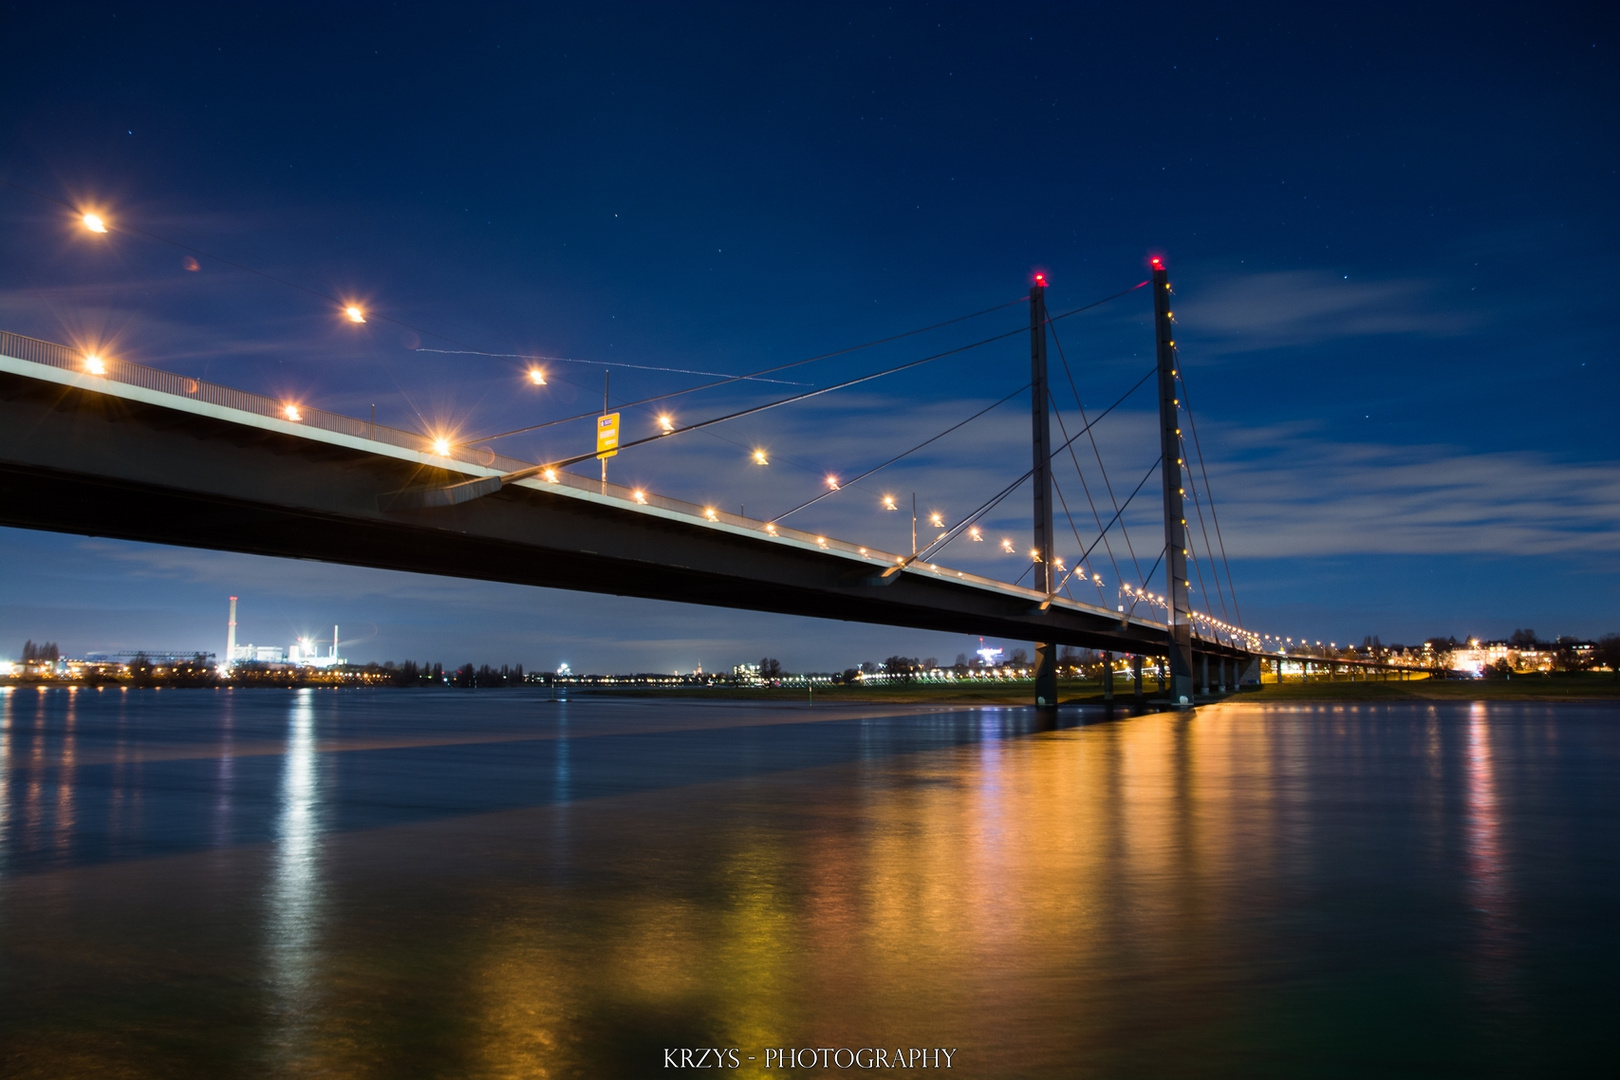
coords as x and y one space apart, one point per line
138 453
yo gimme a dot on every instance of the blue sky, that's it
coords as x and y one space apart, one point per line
1391 234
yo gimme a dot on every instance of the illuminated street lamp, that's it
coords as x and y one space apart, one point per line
95 365
95 223
760 458
667 422
354 313
537 376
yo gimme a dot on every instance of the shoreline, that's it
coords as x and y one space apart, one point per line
1595 686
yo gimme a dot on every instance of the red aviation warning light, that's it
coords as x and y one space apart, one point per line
1040 280
1156 262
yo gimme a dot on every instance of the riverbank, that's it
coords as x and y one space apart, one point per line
1583 686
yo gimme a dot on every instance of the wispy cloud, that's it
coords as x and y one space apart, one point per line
1292 308
1289 494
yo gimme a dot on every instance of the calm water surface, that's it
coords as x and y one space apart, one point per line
491 884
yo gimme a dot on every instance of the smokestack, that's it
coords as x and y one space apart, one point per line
334 642
230 634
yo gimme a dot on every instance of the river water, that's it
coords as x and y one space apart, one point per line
493 884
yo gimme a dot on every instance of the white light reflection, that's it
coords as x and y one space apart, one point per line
8 697
292 924
1487 877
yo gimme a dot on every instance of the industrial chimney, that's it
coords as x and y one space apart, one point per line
230 635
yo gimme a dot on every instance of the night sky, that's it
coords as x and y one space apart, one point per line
1391 229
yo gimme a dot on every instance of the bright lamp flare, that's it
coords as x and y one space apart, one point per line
832 482
441 446
760 458
95 223
667 422
537 376
292 412
354 313
95 365
937 520
888 503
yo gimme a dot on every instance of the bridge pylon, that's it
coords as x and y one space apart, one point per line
1041 435
1179 615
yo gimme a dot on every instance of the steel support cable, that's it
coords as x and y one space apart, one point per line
1078 542
1193 424
956 530
1095 449
1209 552
1151 569
1097 517
519 474
754 375
897 457
1198 572
1145 477
813 359
616 364
535 470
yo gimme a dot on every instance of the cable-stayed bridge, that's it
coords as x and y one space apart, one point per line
95 445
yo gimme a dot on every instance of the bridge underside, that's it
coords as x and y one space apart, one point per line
75 460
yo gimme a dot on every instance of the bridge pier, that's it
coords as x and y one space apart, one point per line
1205 658
1108 676
1136 674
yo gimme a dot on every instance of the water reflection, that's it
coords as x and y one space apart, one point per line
1247 891
294 917
1488 882
8 698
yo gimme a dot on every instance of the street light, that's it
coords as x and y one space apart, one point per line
537 376
355 313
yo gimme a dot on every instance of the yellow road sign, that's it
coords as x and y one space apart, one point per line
607 435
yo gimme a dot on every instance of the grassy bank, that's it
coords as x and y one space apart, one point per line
1586 686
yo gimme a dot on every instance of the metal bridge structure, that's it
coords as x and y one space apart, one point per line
98 446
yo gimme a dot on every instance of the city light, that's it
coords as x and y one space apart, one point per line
95 223
1007 545
441 446
937 520
888 503
550 475
832 482
667 422
354 313
709 512
640 496
537 376
292 412
760 458
95 365
974 534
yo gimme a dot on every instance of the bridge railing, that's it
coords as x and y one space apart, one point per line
128 373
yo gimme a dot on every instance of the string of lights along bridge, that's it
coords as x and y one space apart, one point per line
1079 497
